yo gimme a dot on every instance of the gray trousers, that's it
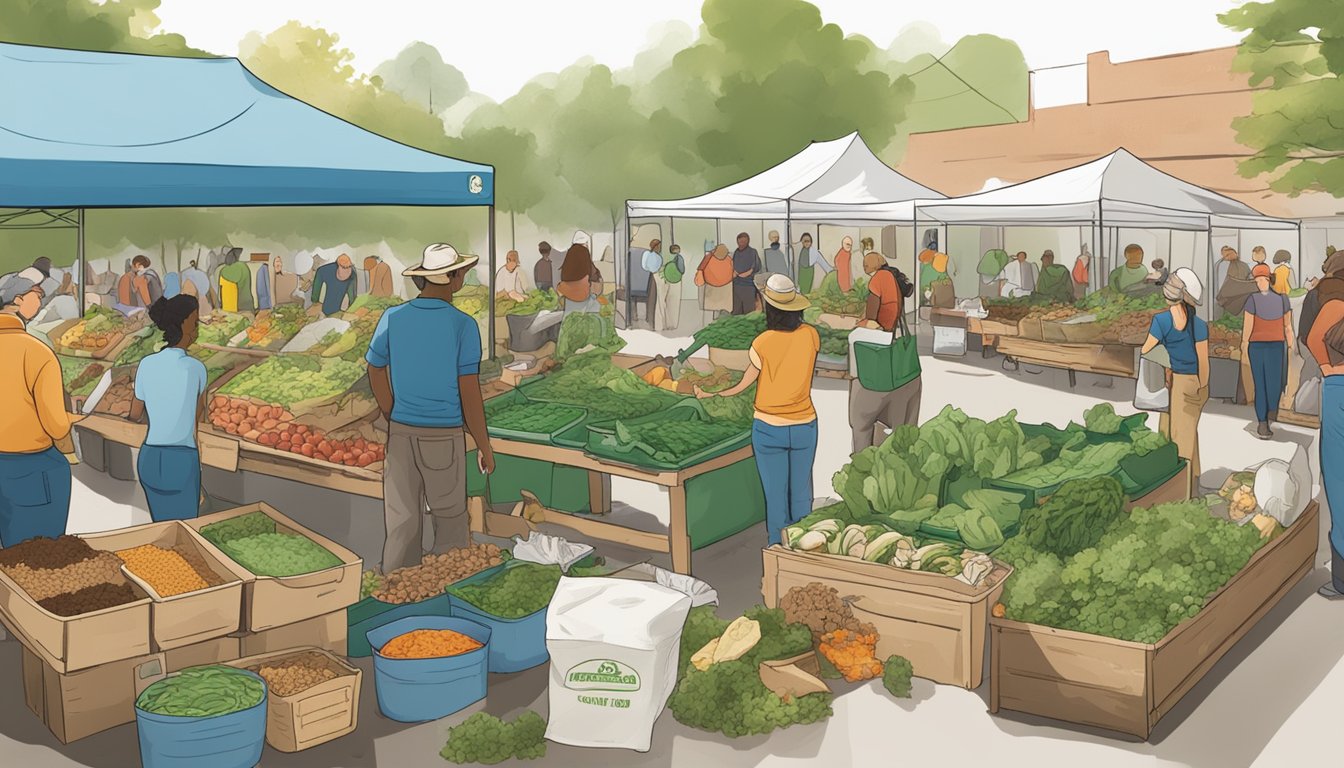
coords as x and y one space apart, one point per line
891 409
425 472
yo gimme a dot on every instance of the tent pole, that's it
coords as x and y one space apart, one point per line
490 250
79 256
626 246
1211 289
788 241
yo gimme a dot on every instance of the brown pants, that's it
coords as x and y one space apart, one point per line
1181 421
891 409
425 472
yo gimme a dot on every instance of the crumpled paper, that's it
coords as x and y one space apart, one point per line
544 549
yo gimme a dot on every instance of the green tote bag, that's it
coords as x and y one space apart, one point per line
888 367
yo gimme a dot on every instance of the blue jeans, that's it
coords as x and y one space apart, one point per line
1332 461
1267 364
784 458
171 477
34 495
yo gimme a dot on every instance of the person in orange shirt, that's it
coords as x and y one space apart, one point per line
843 266
784 432
34 425
888 289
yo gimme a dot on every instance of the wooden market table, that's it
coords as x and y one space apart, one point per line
1105 359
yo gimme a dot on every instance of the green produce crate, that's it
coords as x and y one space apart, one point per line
516 397
1035 495
602 441
564 489
1136 490
569 489
1156 467
724 502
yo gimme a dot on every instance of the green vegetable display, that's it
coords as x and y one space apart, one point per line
253 542
1153 569
582 329
607 391
1089 461
289 379
203 692
732 331
1075 517
729 697
834 342
514 592
541 418
536 301
142 347
896 674
486 739
830 298
221 328
1102 419
80 374
1108 305
1230 322
674 439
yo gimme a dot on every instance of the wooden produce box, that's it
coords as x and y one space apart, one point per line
191 617
314 716
270 601
115 346
93 700
935 621
997 328
72 643
327 632
1128 687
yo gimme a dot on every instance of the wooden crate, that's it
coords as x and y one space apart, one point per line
935 621
1128 687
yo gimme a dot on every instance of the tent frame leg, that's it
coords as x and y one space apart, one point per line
490 251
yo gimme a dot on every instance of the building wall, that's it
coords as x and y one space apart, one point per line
1174 112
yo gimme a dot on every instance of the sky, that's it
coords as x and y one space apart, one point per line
501 44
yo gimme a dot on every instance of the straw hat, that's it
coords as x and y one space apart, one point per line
440 260
780 293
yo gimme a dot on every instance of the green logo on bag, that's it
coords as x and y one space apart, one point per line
601 675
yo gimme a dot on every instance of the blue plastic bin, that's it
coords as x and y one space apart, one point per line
515 644
370 613
234 740
419 690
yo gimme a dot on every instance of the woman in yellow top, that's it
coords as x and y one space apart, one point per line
1283 272
784 433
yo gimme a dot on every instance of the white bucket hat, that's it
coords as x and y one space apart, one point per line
1184 281
781 293
582 238
439 261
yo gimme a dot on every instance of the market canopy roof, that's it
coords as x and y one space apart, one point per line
839 180
1118 190
87 130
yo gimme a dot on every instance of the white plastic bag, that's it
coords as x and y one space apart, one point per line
549 550
949 342
314 332
700 592
1284 488
1308 399
614 645
1150 391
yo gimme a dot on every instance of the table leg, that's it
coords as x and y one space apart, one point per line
599 493
1073 379
679 538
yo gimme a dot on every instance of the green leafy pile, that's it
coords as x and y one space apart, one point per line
1109 304
899 480
834 342
80 374
254 542
582 329
138 350
1102 419
221 328
514 592
203 692
536 301
729 697
732 331
673 439
896 674
1074 464
541 418
1146 441
607 391
1151 570
486 739
289 379
1075 517
831 299
981 523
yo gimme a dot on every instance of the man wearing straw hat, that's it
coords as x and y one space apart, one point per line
424 365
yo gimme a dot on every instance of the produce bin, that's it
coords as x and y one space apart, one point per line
71 643
326 711
418 690
516 397
1129 687
523 340
371 613
724 503
604 444
515 644
191 617
235 740
1152 469
935 621
270 601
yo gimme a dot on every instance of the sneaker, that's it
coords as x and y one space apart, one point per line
1329 592
1263 432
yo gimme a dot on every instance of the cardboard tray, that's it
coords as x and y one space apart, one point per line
314 716
188 618
72 643
270 601
327 632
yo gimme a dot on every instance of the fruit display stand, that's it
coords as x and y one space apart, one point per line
935 621
1129 687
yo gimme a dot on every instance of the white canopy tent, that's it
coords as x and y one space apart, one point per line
837 182
1112 192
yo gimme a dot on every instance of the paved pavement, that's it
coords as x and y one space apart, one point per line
1272 701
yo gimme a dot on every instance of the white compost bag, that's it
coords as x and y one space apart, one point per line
614 645
1150 391
1308 399
1284 488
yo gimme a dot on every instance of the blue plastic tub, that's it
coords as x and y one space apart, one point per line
515 644
419 690
370 613
234 740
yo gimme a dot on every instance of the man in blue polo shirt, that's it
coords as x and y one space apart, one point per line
424 361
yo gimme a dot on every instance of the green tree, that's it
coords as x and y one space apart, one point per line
419 75
1296 49
126 26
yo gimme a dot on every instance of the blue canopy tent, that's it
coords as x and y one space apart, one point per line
83 130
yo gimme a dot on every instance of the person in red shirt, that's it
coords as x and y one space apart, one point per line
885 296
843 267
888 289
